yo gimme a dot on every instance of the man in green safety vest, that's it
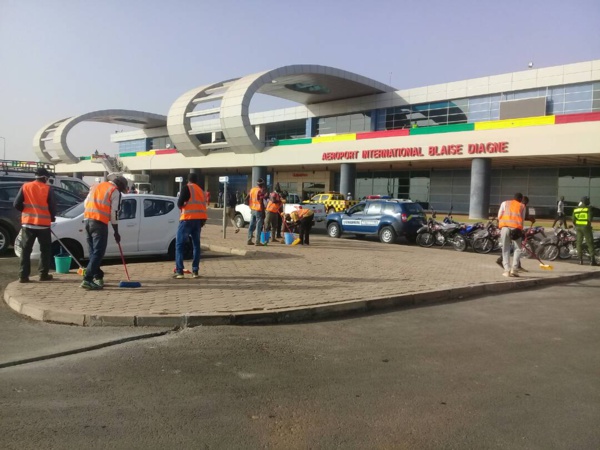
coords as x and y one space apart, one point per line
582 219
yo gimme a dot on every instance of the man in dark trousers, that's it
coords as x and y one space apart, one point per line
257 205
36 202
101 208
193 204
582 219
304 219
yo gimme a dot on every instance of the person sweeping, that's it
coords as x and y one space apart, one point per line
101 208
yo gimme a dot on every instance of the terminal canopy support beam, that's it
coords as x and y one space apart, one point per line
347 179
481 174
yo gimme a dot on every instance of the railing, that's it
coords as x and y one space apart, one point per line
7 166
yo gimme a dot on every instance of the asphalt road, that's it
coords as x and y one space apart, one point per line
516 371
22 338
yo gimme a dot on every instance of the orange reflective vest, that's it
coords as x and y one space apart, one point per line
195 207
513 215
255 204
35 204
274 206
98 205
300 214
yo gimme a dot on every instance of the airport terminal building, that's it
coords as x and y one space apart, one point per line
466 144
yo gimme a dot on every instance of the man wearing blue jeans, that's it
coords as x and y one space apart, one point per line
193 216
256 199
101 208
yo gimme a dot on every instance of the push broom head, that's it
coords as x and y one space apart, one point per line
130 284
546 266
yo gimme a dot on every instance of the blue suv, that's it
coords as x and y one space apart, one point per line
387 219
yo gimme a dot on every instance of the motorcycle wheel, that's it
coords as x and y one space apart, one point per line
459 243
549 251
483 245
425 239
564 251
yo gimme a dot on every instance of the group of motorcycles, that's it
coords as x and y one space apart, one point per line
459 235
484 238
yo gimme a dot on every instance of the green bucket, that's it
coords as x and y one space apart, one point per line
63 264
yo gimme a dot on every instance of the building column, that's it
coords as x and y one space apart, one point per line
481 175
258 172
347 179
78 175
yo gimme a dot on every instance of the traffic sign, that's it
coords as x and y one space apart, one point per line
178 179
223 179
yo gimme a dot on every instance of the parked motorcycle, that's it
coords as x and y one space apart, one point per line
426 234
487 239
564 246
450 233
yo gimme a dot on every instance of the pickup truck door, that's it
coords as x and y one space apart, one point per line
353 218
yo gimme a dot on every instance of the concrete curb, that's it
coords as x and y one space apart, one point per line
303 314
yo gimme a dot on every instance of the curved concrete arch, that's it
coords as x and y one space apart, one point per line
137 119
42 137
179 122
306 84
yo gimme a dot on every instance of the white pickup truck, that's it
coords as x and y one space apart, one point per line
243 212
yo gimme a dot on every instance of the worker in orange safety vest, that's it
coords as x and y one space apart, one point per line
37 204
273 210
102 207
511 216
193 204
304 218
256 201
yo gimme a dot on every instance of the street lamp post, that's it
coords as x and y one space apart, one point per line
4 143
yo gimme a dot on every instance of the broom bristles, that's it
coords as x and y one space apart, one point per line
130 284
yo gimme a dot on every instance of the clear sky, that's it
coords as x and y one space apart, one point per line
61 58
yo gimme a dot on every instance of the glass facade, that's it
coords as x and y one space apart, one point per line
161 143
348 123
566 99
137 145
291 129
445 189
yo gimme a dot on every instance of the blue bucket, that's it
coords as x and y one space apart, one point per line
289 238
265 237
63 264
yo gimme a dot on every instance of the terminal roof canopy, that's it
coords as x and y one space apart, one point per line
311 88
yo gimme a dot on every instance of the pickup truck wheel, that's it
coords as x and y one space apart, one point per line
333 230
5 240
331 210
239 221
387 235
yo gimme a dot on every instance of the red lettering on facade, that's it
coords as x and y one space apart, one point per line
488 147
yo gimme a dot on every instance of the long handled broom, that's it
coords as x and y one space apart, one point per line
128 283
81 270
543 265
